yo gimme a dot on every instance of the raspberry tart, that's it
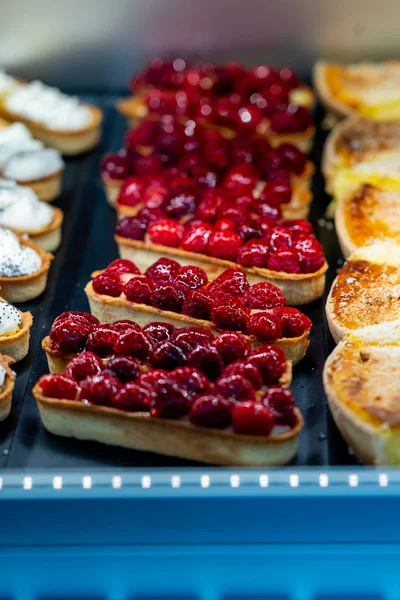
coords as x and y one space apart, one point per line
15 329
184 297
161 389
7 378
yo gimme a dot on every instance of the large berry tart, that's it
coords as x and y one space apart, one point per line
274 103
184 297
183 392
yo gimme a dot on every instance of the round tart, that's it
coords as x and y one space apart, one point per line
15 329
7 378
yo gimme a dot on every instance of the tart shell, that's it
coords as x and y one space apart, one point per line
6 393
17 346
298 288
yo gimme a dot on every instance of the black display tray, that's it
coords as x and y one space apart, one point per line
88 245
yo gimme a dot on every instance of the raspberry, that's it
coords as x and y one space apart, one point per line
197 304
224 245
249 230
270 361
253 254
154 195
310 253
144 165
196 236
265 326
211 410
132 398
158 332
139 290
163 270
70 331
189 338
149 215
224 225
190 277
120 266
102 341
230 313
231 347
125 368
232 281
281 401
205 177
276 192
123 325
234 215
83 365
168 296
172 402
114 166
133 343
235 387
209 206
245 370
180 202
168 356
100 389
294 322
252 418
62 387
280 237
264 295
166 232
133 228
78 317
206 360
191 380
290 79
131 191
298 227
267 211
105 285
284 260
148 380
293 158
244 176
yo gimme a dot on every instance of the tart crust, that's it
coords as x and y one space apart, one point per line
17 346
298 288
27 287
108 310
7 389
48 237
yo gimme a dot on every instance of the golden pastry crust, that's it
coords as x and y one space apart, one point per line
17 346
6 390
297 288
48 237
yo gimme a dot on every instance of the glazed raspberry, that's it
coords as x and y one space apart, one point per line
83 365
168 296
114 166
59 386
294 322
163 270
196 236
245 370
280 238
293 158
211 410
206 360
288 77
197 304
122 265
189 338
133 343
141 135
158 332
234 216
266 74
310 253
285 260
145 165
252 418
235 387
191 380
276 192
148 380
231 347
298 227
249 116
281 401
224 225
270 361
249 230
230 313
210 205
168 356
205 177
133 228
78 317
180 202
242 150
232 281
131 191
149 215
125 368
173 402
153 195
70 334
264 295
267 211
253 254
124 325
190 278
105 285
243 177
166 232
132 398
139 290
102 341
100 389
265 326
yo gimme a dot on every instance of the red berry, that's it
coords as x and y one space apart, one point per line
125 368
168 356
244 176
293 158
270 361
196 236
249 117
224 245
191 380
133 228
280 238
132 398
236 387
281 401
250 230
83 365
122 265
154 195
252 418
289 77
197 304
172 401
144 165
285 260
139 290
189 338
70 333
168 296
230 313
190 278
209 205
148 380
211 410
231 347
158 332
232 281
224 225
298 227
62 387
206 360
310 253
264 325
294 322
100 389
253 254
102 341
245 370
105 285
124 325
149 215
166 232
180 202
114 166
264 295
133 343
163 270
131 191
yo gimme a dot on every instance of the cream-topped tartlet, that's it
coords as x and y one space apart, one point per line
14 330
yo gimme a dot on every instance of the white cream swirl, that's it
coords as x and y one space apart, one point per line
6 82
10 318
2 376
21 209
48 106
16 260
